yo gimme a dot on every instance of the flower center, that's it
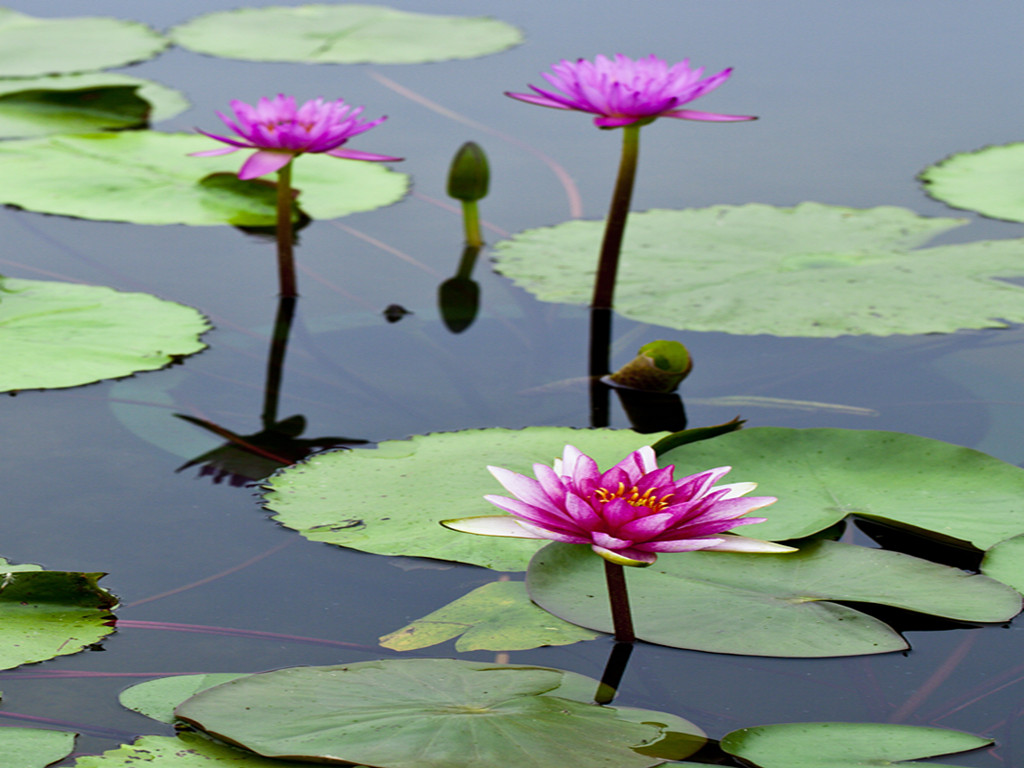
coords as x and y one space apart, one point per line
632 496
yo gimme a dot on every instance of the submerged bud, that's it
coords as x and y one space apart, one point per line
659 366
469 174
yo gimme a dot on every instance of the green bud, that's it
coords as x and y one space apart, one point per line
658 367
469 175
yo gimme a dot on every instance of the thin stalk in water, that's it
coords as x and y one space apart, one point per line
615 226
285 253
622 619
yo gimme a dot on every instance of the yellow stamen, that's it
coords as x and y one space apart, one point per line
634 498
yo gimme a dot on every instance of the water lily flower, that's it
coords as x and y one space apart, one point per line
627 514
621 91
279 132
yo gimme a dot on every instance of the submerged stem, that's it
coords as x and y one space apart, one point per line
285 255
622 620
615 226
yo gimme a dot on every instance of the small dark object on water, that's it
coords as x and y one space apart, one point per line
395 312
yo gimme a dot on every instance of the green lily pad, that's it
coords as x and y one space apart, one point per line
187 750
495 617
845 745
44 614
157 698
1005 562
40 106
767 605
390 500
146 177
63 334
822 475
485 712
986 180
343 34
32 46
34 747
812 270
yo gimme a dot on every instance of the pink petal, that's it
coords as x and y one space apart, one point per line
682 545
355 154
692 114
214 152
263 162
540 101
495 525
732 543
522 487
542 517
630 557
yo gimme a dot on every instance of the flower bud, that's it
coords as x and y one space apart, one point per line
469 174
659 366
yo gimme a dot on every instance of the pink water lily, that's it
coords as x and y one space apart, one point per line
622 91
627 514
279 131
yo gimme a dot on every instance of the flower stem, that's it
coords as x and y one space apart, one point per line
615 226
471 222
621 618
285 255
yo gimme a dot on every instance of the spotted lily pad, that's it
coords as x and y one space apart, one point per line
822 475
40 106
495 617
35 46
63 334
34 747
390 500
147 177
486 712
845 745
187 750
343 34
44 614
792 604
986 181
811 270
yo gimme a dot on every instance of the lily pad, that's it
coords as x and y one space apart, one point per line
986 180
32 46
187 750
1005 562
822 475
486 713
845 745
767 605
811 270
63 334
343 34
34 747
40 106
44 614
495 617
390 500
157 698
146 177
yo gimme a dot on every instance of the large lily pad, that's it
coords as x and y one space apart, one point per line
495 617
822 475
146 177
44 614
33 46
64 335
811 270
391 500
767 605
845 745
187 750
157 698
986 181
484 712
1005 562
40 106
343 34
34 747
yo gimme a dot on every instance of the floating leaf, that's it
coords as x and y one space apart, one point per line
486 712
146 177
1005 562
33 46
495 617
845 745
64 335
986 181
34 747
158 698
187 750
752 269
44 614
80 103
822 475
391 500
767 605
343 34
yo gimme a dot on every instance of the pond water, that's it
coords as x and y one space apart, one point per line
854 98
